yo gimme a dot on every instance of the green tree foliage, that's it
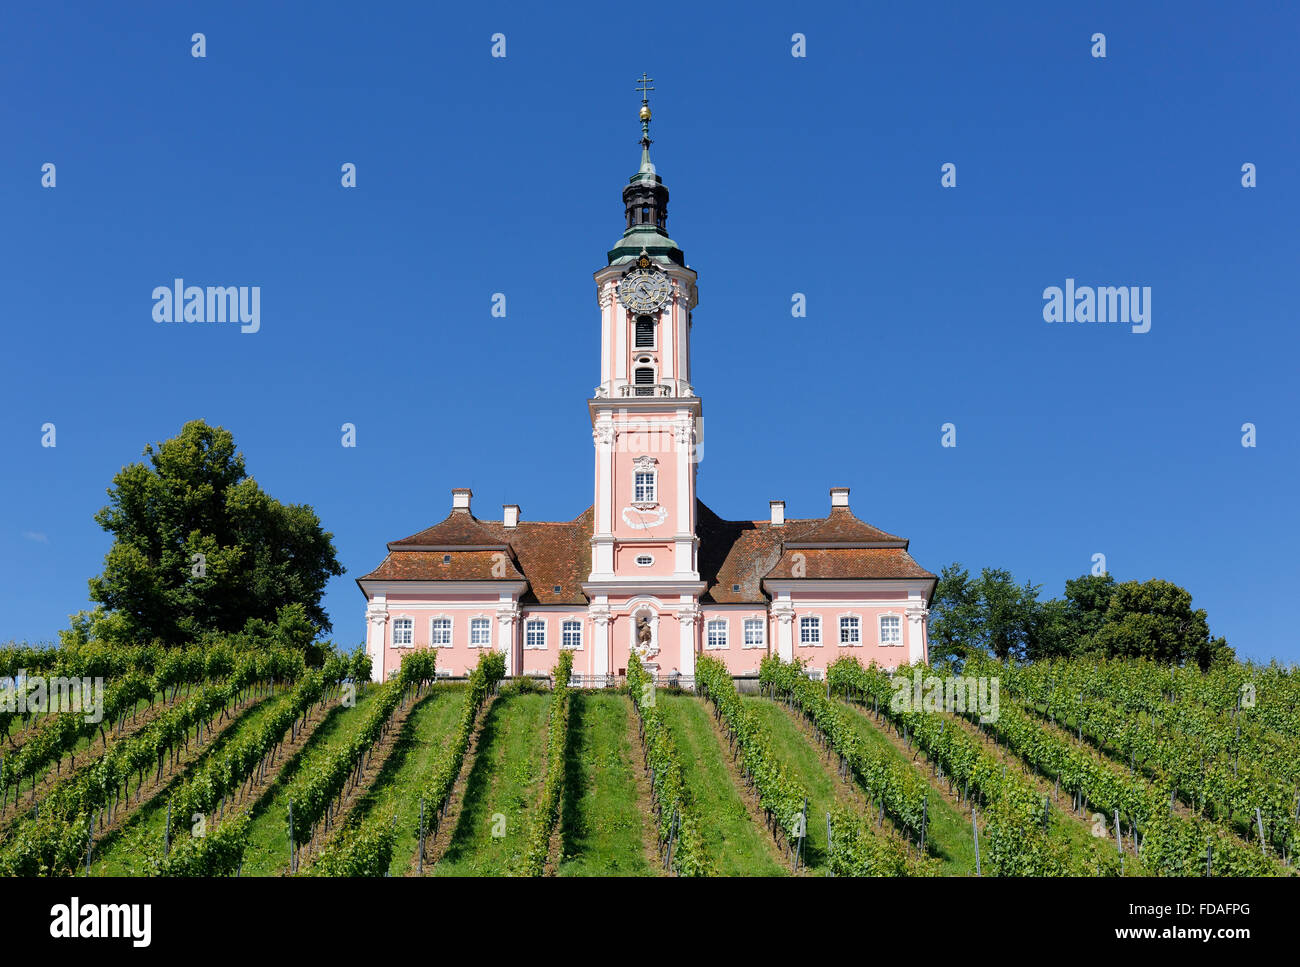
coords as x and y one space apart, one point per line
1097 617
1154 619
199 547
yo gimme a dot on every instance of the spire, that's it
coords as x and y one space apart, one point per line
645 201
643 85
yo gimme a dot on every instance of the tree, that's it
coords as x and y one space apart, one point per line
199 547
1067 626
1007 613
953 616
1154 619
990 614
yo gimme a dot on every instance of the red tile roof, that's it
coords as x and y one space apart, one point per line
743 553
850 563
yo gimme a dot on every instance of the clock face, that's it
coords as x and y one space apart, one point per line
644 289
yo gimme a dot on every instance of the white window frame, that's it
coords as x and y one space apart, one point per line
815 624
649 562
409 622
433 632
857 630
637 499
710 627
762 633
564 632
880 627
530 629
472 622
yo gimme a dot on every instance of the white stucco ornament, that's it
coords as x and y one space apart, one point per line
644 518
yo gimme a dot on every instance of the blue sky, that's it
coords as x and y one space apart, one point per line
818 175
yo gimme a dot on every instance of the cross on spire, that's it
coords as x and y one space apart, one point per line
643 85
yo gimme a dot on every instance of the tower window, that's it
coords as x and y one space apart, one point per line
645 381
645 215
645 332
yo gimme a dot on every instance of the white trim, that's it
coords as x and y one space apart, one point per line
571 621
400 618
839 633
744 632
880 629
648 562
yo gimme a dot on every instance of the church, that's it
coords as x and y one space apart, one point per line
648 566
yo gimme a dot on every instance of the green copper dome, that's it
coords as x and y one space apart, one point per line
645 200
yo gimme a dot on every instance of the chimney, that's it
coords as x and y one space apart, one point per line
460 498
510 515
839 497
778 512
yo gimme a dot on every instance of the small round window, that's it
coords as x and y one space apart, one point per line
644 560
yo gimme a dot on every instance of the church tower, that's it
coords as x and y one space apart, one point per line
645 414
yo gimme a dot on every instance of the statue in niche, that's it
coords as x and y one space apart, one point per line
644 637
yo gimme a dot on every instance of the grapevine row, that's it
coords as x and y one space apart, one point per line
783 799
668 789
557 735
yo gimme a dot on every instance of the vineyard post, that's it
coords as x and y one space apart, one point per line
292 853
167 834
1259 822
925 815
1046 808
420 861
828 838
974 822
90 844
1209 859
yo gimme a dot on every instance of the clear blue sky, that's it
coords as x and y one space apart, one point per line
817 175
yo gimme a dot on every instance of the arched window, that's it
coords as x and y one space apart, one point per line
441 636
891 629
645 332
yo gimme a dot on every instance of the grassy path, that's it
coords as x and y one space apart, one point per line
268 835
397 787
806 765
122 854
737 844
603 821
501 790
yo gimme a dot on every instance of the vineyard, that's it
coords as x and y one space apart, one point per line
229 760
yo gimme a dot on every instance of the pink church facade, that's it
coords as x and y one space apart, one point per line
648 566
